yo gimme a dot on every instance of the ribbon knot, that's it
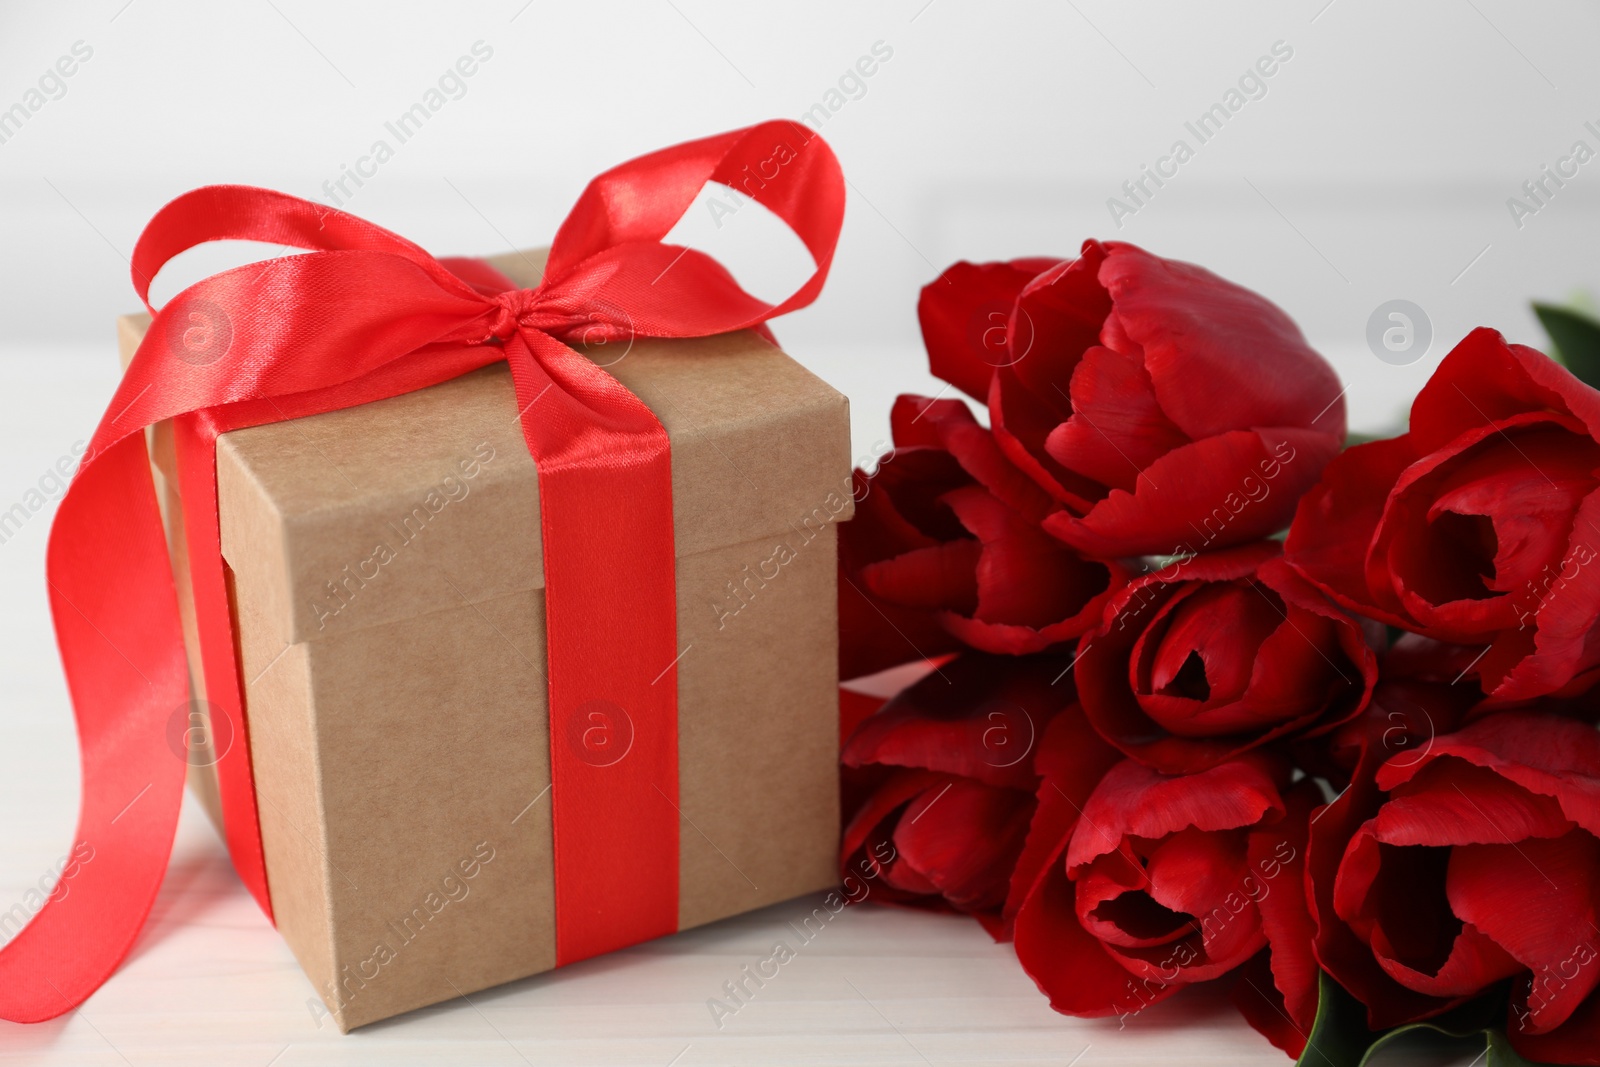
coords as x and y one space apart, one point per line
514 309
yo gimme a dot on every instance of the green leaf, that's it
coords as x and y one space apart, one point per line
1339 1036
1575 338
1473 1019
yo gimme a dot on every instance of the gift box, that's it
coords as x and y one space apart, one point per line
383 568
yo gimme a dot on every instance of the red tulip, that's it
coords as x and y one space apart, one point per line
1162 408
1482 863
946 551
1479 525
944 820
1407 714
1166 880
1217 654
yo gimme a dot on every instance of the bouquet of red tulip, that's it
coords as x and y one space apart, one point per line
1353 769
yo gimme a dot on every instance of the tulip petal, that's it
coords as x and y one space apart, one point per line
1111 705
876 635
1451 802
1199 496
1337 520
1440 560
1576 1041
1134 801
1567 639
1394 898
1021 422
949 424
964 838
1059 315
1070 967
854 708
977 716
866 850
1417 658
899 506
1264 1007
1031 592
1117 428
911 883
1192 666
1072 759
1220 356
1206 875
1475 962
1176 909
1277 857
1299 674
941 576
1484 379
965 316
1347 654
1339 949
1537 900
1530 494
1545 754
1115 908
1025 578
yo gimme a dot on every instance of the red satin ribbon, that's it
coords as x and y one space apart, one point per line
362 316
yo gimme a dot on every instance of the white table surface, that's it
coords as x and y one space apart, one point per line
210 983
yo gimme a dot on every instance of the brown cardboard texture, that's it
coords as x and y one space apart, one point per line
388 594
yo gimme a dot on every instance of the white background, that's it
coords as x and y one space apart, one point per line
1377 166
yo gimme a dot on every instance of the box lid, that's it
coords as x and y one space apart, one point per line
403 506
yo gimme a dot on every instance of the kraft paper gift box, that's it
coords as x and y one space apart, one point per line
385 576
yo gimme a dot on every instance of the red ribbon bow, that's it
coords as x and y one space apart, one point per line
366 315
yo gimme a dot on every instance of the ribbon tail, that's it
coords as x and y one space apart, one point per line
229 728
116 617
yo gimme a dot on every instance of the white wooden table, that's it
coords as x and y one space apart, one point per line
209 983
